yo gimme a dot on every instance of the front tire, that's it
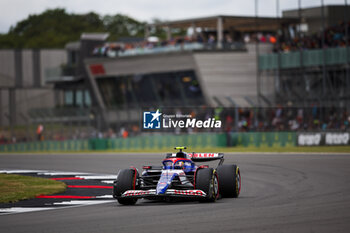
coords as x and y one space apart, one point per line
229 180
126 180
207 181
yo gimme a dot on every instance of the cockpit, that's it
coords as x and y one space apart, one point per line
184 164
180 160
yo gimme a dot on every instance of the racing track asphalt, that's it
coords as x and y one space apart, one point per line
280 193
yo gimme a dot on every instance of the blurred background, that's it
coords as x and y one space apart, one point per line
276 73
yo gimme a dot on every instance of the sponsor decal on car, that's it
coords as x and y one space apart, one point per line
136 193
190 192
203 155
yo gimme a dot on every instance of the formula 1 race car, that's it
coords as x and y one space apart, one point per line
179 177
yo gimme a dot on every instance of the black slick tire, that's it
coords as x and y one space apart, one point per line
229 180
125 181
207 181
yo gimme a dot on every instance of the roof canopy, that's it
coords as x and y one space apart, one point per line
94 36
239 23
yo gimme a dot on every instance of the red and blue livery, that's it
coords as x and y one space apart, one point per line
179 177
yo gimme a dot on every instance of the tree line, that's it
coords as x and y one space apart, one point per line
55 27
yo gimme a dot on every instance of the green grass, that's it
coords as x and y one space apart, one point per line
16 187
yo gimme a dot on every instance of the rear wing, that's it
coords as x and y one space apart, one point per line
202 157
205 157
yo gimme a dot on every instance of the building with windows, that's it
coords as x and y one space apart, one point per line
228 61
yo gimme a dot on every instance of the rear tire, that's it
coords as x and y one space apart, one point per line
126 180
229 180
207 181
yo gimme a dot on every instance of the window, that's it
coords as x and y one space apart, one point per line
153 89
68 98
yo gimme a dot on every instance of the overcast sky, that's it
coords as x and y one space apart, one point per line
12 11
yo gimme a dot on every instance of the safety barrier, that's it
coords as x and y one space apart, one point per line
47 146
264 139
204 140
323 139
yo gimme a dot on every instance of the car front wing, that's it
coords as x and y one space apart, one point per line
190 193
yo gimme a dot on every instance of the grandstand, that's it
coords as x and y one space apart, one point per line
311 66
233 62
179 72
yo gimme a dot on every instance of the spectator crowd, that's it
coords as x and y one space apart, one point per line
289 40
334 36
288 119
209 41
